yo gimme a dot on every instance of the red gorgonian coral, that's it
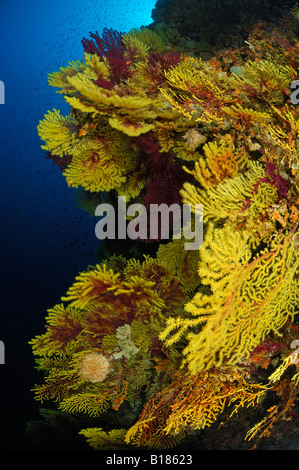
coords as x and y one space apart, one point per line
110 45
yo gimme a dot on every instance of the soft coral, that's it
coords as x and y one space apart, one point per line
110 45
165 178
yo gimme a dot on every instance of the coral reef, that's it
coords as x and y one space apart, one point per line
210 24
181 341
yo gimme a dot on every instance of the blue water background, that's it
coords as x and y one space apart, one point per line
45 239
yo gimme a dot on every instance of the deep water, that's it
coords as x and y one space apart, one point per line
45 239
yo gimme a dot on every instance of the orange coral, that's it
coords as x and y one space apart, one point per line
191 403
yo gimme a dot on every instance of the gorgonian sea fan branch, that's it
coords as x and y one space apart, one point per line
165 178
275 179
281 183
110 45
261 180
160 62
61 162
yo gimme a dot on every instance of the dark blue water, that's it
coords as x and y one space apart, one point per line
45 239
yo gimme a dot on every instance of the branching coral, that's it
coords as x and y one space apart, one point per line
102 440
250 298
109 46
180 336
182 263
287 390
95 351
58 132
263 80
191 403
221 161
241 201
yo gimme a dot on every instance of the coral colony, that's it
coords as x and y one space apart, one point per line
167 337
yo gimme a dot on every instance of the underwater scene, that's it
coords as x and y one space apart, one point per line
149 227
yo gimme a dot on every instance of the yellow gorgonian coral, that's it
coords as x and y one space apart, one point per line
101 163
250 298
199 81
179 337
101 283
222 160
138 109
58 133
295 11
246 116
285 136
99 439
190 402
263 80
148 38
243 200
92 67
180 262
95 171
131 128
100 350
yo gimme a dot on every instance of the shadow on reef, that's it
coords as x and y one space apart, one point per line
59 431
217 24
